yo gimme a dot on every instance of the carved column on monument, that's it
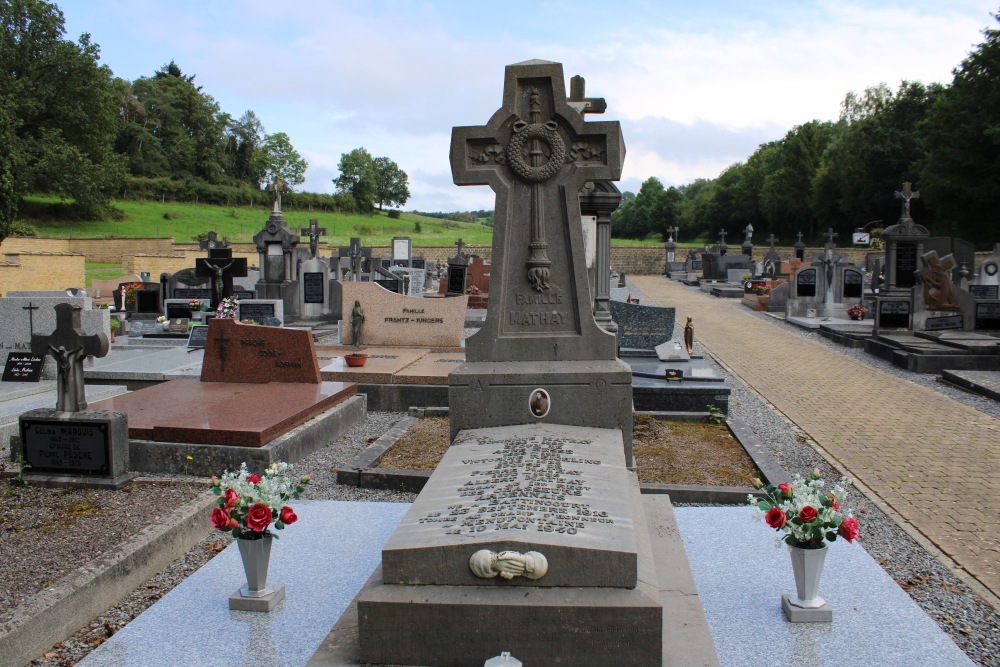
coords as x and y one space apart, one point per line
601 199
275 248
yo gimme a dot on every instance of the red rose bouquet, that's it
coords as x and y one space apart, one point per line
805 511
249 503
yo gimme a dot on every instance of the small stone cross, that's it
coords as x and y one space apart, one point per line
69 345
800 237
906 194
459 244
671 231
578 100
772 241
277 188
830 235
313 231
722 237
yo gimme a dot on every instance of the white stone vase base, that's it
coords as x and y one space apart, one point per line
239 601
797 614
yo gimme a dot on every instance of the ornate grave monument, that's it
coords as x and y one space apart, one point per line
314 278
276 247
903 248
536 153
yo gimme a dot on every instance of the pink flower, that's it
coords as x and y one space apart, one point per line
259 518
287 516
775 518
808 514
786 489
757 484
848 529
253 479
231 499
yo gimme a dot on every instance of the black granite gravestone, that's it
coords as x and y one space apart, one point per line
23 367
805 283
987 317
853 284
312 287
894 314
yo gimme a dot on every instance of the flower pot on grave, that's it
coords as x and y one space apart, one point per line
357 359
806 604
857 317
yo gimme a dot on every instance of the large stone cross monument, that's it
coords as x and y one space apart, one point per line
540 338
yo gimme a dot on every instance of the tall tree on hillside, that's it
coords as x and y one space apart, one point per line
277 157
60 106
245 138
391 183
960 174
786 195
358 178
184 129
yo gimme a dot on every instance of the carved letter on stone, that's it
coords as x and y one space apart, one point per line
487 564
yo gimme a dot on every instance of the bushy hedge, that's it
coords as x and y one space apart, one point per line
198 191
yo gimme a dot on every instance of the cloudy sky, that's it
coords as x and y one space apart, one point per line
696 85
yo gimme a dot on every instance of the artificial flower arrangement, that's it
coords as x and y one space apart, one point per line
473 290
857 311
130 290
249 503
227 309
161 319
195 304
804 511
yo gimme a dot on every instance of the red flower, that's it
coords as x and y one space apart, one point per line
231 499
259 518
808 514
288 516
775 518
756 483
253 479
848 529
786 489
222 520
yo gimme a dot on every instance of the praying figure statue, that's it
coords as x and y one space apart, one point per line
357 323
689 336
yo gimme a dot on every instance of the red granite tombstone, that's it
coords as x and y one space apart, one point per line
238 352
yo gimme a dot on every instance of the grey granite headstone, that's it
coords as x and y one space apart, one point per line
20 317
642 327
536 153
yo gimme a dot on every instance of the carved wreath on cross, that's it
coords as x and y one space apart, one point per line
547 132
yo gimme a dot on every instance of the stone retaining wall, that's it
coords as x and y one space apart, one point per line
40 271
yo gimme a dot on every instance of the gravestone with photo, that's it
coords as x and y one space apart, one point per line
70 445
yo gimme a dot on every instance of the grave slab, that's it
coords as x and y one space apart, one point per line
432 368
246 353
197 412
381 368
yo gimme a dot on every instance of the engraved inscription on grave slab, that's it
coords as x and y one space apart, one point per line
53 446
562 491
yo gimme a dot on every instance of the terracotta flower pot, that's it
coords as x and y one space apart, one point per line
356 359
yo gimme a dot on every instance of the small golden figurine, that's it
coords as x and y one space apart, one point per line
689 336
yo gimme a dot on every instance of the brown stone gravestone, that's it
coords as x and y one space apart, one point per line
238 352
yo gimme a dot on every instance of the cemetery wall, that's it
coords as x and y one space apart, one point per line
113 251
157 264
40 271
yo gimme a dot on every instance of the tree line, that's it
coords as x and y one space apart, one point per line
842 175
69 127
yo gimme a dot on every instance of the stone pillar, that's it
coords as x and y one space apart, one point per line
601 199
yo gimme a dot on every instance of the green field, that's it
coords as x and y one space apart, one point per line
184 222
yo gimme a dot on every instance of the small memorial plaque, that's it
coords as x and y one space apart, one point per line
456 279
191 293
805 283
243 294
853 282
256 311
65 446
894 314
22 367
984 292
418 263
987 316
696 265
140 327
312 287
177 310
179 325
674 374
198 336
943 322
906 264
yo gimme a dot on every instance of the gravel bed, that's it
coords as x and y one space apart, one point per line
971 623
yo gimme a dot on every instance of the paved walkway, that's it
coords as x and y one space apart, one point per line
931 459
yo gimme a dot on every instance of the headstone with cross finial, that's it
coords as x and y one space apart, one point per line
314 279
536 153
904 245
276 246
800 248
772 254
69 445
722 248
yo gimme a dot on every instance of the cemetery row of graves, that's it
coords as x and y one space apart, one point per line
534 520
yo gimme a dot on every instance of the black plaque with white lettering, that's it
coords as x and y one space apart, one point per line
943 322
312 287
178 310
987 316
243 294
894 314
456 279
984 292
853 282
906 264
65 446
418 263
202 294
198 336
805 283
256 311
390 284
23 367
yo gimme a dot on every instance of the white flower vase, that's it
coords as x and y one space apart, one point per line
256 595
807 605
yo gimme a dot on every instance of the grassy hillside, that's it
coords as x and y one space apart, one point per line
184 222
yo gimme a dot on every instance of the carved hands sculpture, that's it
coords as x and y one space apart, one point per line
487 564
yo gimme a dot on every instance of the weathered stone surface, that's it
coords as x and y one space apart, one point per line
247 353
395 320
642 327
20 317
562 491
